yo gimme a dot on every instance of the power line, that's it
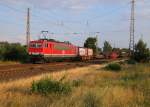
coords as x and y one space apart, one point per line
12 8
35 15
108 13
22 12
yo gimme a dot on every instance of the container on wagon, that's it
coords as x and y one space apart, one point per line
90 52
82 51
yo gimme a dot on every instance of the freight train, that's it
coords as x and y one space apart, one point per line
44 50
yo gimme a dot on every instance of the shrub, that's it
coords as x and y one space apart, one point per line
13 52
45 86
90 100
113 67
131 61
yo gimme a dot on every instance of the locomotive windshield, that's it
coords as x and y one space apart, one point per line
36 45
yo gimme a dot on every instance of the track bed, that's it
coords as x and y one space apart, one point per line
17 71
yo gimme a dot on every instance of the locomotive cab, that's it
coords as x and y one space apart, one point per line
36 48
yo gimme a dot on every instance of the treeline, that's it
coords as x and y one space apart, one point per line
106 50
13 52
140 54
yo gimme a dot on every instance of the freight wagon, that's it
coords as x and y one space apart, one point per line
47 50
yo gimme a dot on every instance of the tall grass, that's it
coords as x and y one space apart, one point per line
90 100
91 87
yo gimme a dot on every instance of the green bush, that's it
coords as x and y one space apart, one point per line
13 52
113 67
131 61
90 100
45 86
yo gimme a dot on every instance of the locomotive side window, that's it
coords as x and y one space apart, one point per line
38 45
35 45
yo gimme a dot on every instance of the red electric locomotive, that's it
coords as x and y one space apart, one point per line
44 50
49 50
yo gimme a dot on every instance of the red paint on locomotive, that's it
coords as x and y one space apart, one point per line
52 49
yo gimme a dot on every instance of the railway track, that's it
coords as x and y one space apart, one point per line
13 72
18 71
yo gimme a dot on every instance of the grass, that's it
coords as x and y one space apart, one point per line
91 86
8 62
90 100
77 82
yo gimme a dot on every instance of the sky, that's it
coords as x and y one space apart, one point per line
75 20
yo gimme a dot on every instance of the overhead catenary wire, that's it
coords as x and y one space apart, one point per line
108 13
37 16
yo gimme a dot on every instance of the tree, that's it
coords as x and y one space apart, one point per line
99 50
141 53
3 48
91 43
13 52
107 47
